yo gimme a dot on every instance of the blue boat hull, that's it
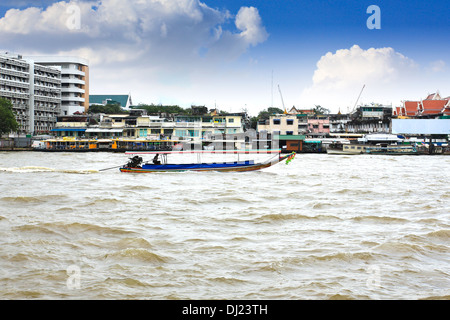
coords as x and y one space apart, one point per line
223 166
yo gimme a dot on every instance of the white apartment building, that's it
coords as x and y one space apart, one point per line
34 91
74 82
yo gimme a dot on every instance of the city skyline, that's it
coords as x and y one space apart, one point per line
243 55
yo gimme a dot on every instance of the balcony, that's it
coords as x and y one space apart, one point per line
56 81
72 71
15 83
73 81
15 73
47 99
73 99
12 94
72 90
184 124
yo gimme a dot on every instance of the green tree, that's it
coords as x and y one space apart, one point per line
108 109
174 109
264 115
273 110
318 109
8 122
254 122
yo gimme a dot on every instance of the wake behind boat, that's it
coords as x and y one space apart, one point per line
136 165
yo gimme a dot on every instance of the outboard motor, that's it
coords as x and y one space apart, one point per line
134 162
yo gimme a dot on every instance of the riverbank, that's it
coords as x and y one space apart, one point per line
17 149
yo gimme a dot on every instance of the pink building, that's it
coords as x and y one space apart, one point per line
319 125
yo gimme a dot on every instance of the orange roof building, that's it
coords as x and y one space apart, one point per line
433 96
432 105
294 110
409 109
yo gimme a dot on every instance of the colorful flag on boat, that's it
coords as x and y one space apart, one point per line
291 156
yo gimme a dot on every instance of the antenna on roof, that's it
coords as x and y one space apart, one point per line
272 89
281 98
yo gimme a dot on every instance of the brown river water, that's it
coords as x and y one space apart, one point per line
321 227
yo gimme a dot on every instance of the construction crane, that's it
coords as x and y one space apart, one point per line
354 107
281 98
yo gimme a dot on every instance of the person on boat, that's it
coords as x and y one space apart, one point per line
155 159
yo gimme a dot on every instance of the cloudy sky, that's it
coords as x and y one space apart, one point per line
239 54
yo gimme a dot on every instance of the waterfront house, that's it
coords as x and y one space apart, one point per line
319 124
198 127
370 118
74 126
280 124
338 122
289 143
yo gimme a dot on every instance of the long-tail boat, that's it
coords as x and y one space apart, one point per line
160 164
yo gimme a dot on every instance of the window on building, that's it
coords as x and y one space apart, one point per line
276 121
290 121
289 133
193 133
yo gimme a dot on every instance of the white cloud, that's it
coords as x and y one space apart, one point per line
229 45
164 28
340 76
159 50
249 22
20 22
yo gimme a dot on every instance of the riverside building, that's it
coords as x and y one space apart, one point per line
34 91
74 82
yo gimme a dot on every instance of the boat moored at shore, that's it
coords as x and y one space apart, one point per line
392 150
348 149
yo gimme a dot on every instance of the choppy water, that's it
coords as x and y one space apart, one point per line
322 227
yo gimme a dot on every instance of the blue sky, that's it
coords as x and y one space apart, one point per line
235 54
